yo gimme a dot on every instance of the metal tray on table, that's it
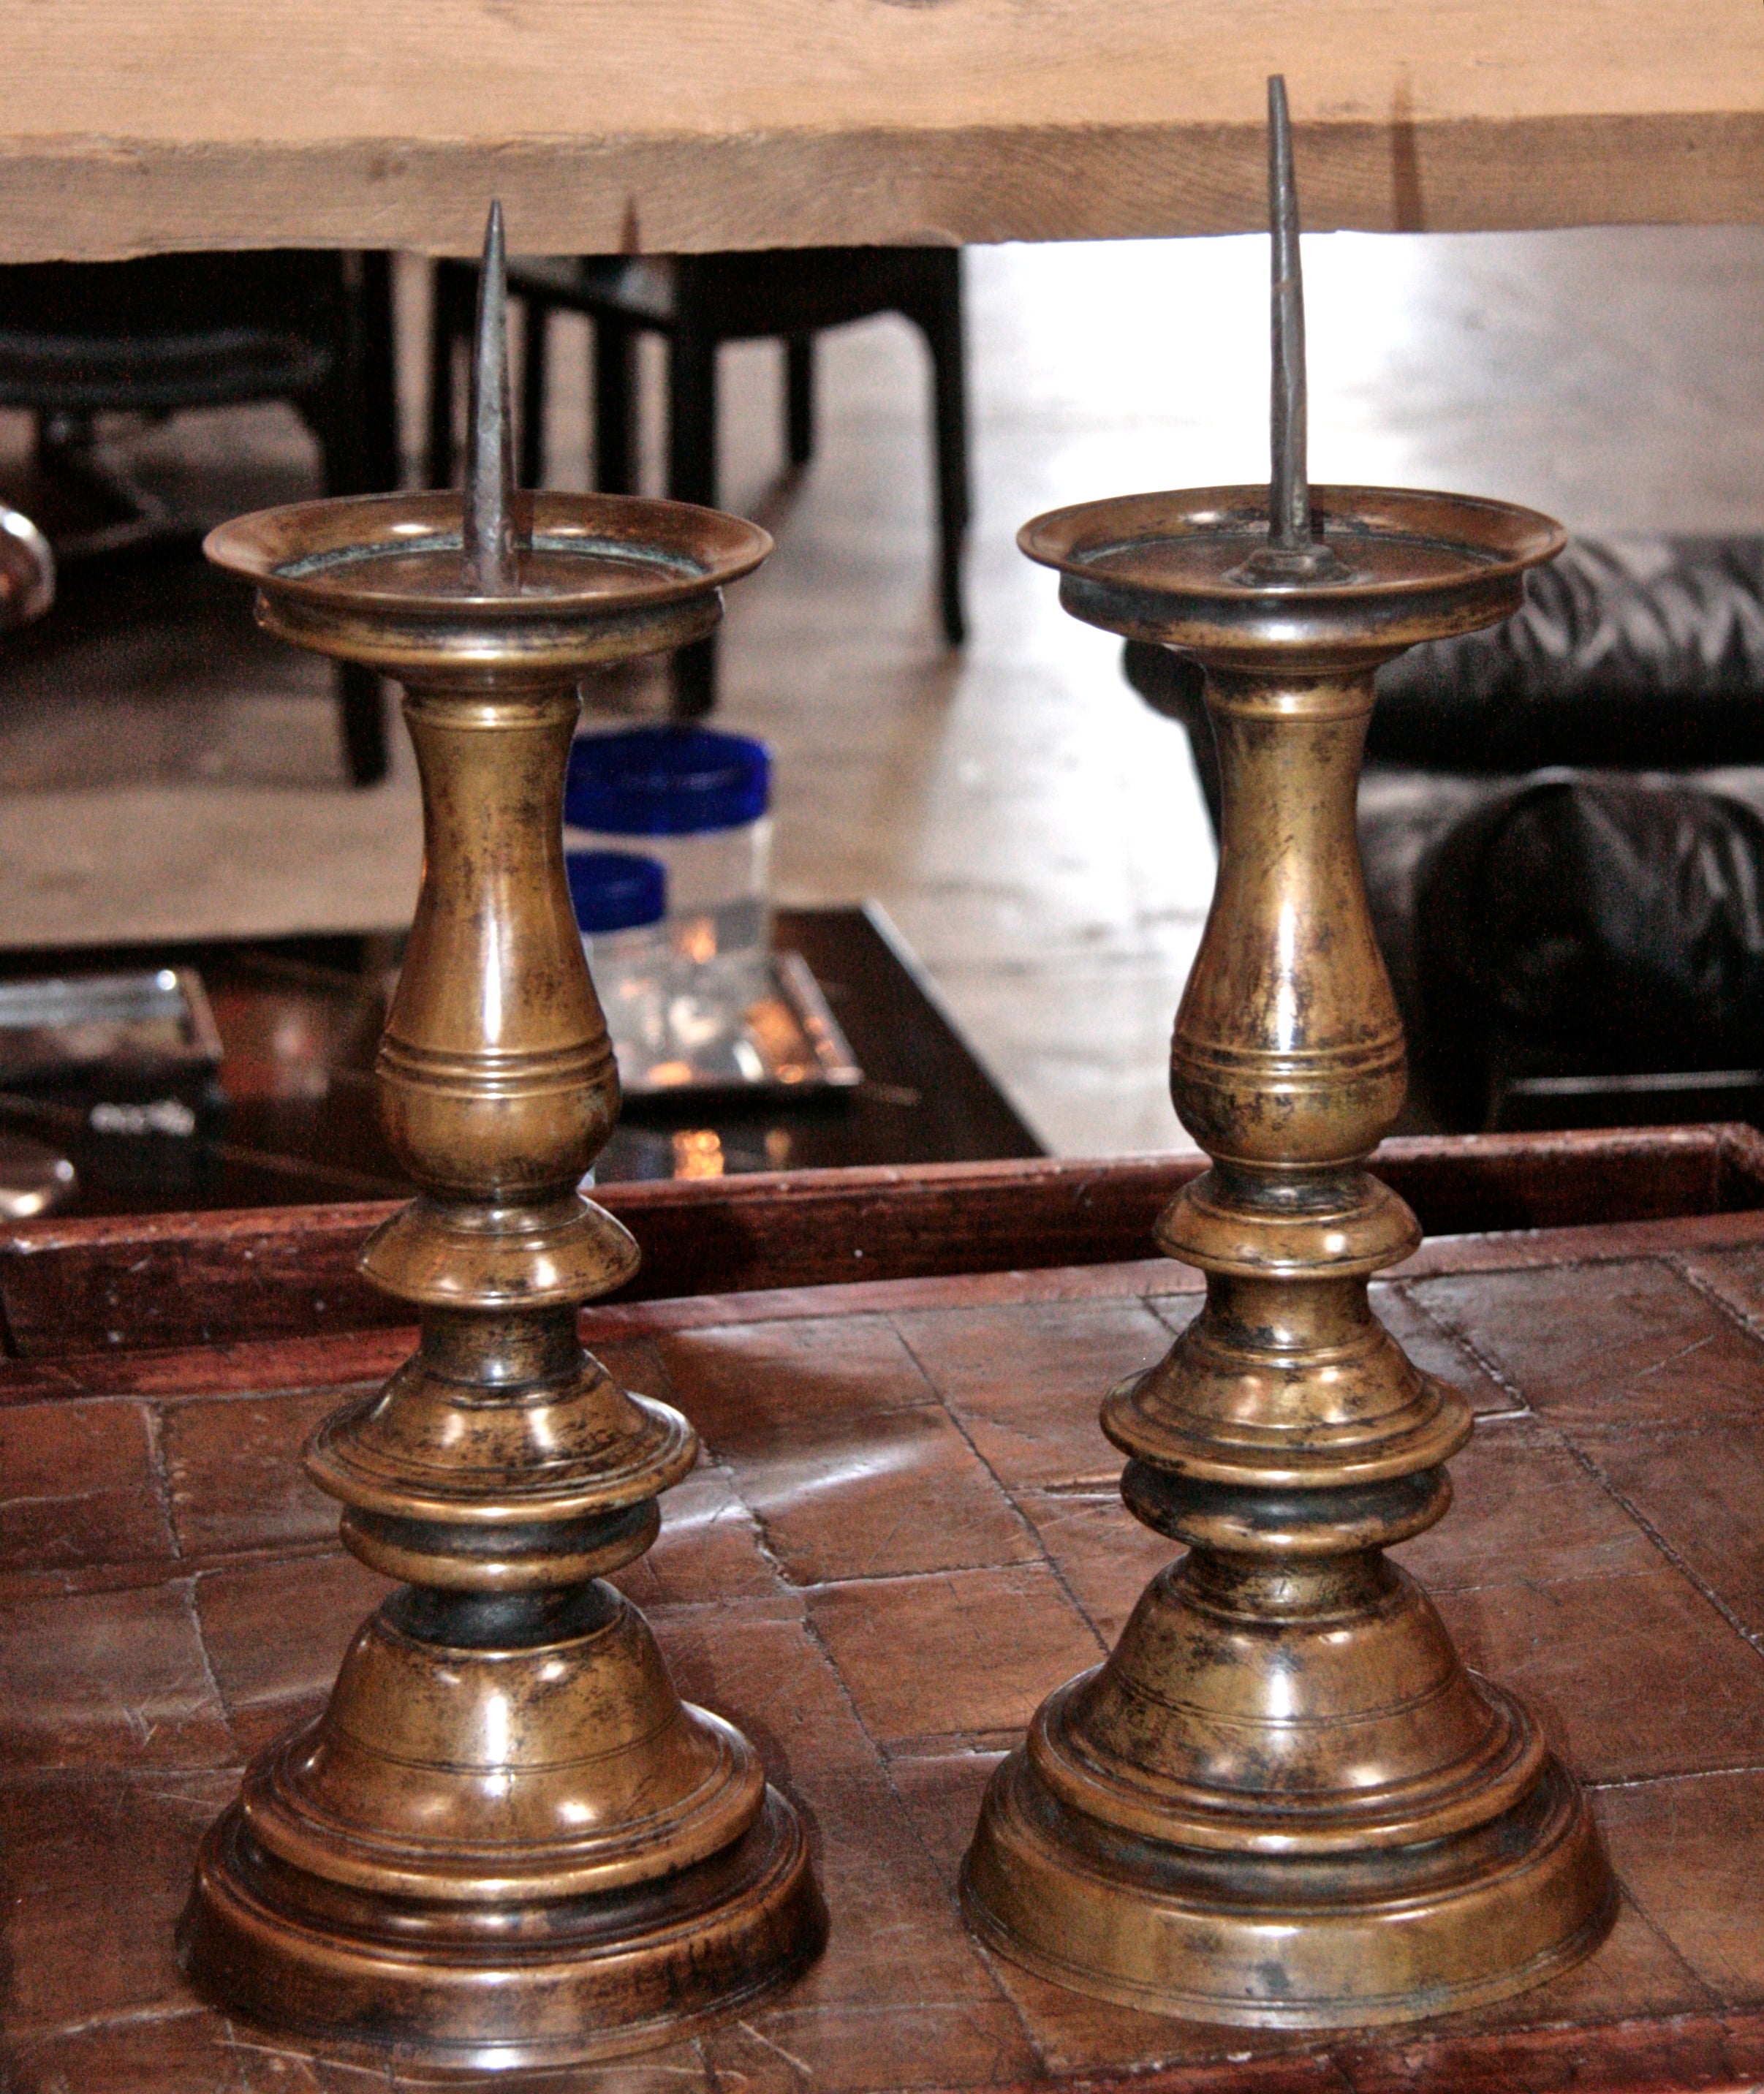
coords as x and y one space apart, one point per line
788 1043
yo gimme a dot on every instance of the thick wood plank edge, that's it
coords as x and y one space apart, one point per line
1704 2053
69 197
168 1280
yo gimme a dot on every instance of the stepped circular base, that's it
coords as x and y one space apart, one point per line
1269 1941
552 1982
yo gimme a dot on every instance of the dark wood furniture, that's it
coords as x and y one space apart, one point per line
697 302
906 1528
168 333
300 1020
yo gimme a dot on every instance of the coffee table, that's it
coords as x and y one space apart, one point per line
300 1019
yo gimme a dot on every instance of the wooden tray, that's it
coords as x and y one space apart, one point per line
906 1529
181 1279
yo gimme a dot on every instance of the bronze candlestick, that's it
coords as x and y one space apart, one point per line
1282 1801
506 1841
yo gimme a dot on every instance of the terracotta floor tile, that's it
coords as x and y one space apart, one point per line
277 1633
763 1388
710 1549
964 1651
1736 1275
1436 1351
679 2068
1629 1676
1026 1383
1524 1510
1606 1344
878 1494
115 1679
1636 1972
765 1671
1688 1851
940 2043
1625 2058
882 1892
77 1486
186 2048
1072 2033
885 1899
1701 1489
1106 1558
95 1873
236 1474
941 1792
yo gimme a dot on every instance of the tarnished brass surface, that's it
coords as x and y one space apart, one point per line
1283 1800
506 1840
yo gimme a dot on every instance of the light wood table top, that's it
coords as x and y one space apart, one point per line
672 125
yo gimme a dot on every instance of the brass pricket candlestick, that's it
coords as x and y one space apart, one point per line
506 1841
1282 1801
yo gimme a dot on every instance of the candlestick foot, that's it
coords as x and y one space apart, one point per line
1356 1831
1230 1934
498 1855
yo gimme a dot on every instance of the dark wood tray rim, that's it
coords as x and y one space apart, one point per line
179 1280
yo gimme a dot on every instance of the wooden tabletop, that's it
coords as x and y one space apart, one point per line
677 125
905 1530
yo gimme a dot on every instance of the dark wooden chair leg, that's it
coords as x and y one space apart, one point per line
361 706
454 295
799 397
534 345
941 321
692 465
385 453
615 438
694 679
356 421
691 409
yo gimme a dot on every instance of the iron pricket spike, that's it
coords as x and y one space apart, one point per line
1296 554
1289 523
489 550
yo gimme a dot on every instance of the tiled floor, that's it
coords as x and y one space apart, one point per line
905 1530
1036 834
